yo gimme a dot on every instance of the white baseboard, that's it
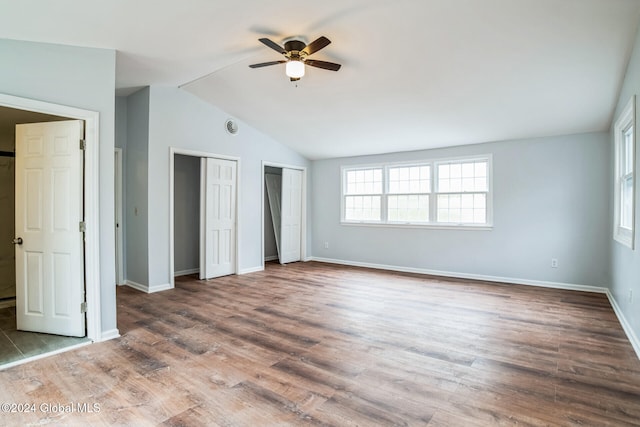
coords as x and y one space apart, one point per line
137 286
148 289
633 338
270 258
109 335
517 281
159 288
186 272
251 270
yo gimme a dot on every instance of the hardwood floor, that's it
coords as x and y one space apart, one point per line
316 344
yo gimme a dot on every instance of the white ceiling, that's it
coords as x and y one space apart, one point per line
416 73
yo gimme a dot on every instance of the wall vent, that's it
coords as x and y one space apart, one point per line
231 126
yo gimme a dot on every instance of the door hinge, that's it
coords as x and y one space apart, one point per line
83 307
83 226
83 144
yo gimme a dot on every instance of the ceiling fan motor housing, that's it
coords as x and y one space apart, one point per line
294 46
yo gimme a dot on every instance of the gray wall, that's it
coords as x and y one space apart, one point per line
186 214
83 78
550 201
625 263
181 120
136 187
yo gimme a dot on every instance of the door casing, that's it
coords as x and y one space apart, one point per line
172 152
91 195
303 227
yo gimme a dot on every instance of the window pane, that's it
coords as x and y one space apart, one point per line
362 208
626 201
462 177
364 181
628 150
408 208
409 179
468 170
462 208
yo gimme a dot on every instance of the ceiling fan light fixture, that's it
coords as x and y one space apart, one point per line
295 69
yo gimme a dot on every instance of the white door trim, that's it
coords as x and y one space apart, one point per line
303 228
91 198
172 152
118 171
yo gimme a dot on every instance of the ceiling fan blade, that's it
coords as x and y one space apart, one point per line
266 64
316 45
273 45
323 64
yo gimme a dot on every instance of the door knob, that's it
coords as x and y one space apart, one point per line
17 241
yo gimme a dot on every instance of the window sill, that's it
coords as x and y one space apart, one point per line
483 227
624 240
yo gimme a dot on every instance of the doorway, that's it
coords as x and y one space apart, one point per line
283 213
203 214
18 345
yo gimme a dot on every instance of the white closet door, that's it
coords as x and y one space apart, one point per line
291 215
218 213
49 261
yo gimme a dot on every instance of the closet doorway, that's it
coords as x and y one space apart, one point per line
203 214
284 213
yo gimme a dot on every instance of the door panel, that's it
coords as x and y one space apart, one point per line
49 262
219 213
291 215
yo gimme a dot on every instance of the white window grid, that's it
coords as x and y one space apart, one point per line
624 199
411 192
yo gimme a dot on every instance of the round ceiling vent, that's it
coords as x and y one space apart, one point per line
231 126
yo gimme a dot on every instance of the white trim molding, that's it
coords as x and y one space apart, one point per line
515 281
148 289
251 270
201 154
633 338
186 272
303 212
91 198
109 335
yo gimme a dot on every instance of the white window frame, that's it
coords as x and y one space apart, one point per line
626 120
433 194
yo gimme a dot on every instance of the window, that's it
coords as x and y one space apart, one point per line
462 192
363 195
450 192
408 194
624 138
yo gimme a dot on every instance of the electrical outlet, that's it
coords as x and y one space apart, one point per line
630 297
554 262
326 245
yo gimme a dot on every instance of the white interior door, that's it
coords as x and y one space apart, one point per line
118 217
274 192
49 259
218 218
291 215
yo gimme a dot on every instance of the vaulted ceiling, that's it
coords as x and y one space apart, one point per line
416 74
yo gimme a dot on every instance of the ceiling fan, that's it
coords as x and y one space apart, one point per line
296 53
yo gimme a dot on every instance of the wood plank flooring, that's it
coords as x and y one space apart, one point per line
323 345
